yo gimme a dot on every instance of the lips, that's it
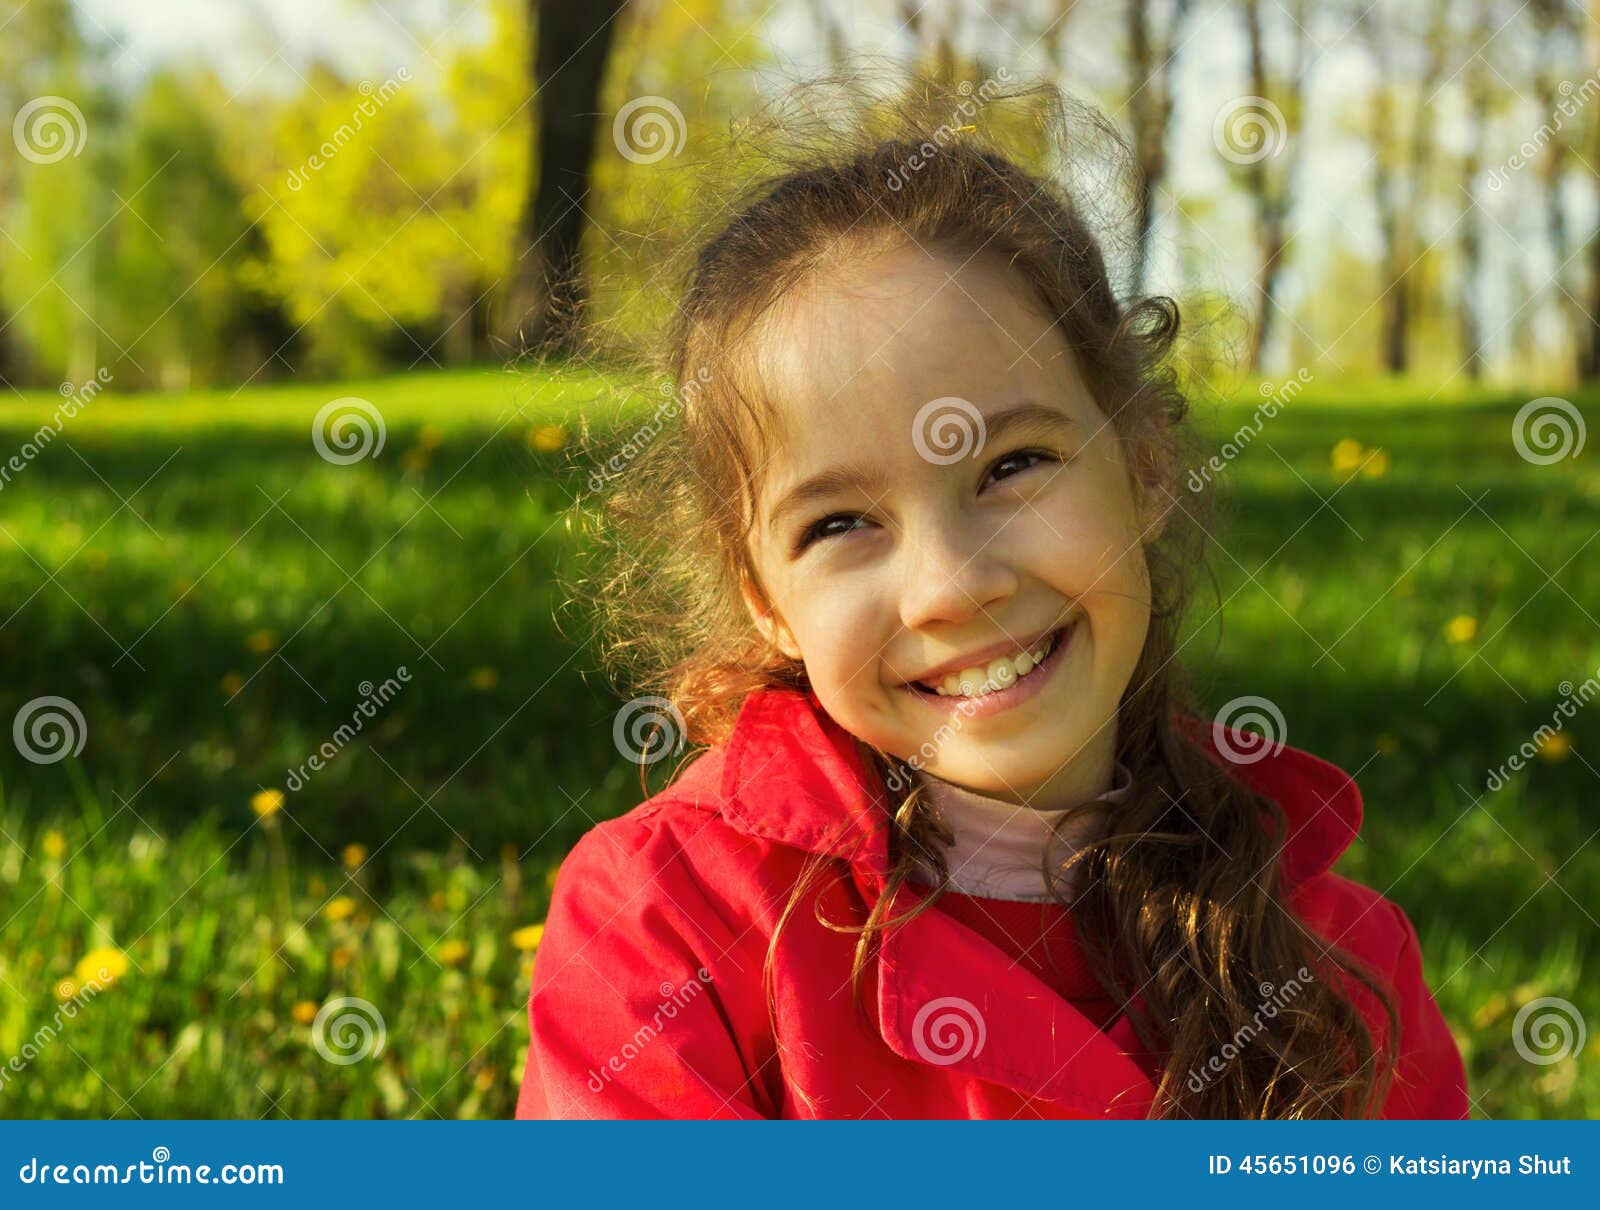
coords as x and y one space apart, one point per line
998 700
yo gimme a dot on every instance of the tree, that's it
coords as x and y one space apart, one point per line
1401 159
1270 178
1151 61
571 46
41 53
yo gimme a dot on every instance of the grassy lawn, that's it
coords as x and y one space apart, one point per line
216 600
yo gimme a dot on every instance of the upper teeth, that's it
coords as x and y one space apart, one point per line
999 674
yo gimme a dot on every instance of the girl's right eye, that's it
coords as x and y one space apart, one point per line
820 528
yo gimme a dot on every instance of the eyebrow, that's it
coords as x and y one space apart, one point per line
1027 416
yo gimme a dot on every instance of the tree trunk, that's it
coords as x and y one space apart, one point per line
546 296
1150 110
1591 356
1472 224
1273 191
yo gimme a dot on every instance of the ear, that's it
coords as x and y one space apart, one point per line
770 625
1155 473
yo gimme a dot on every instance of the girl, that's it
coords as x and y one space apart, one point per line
913 561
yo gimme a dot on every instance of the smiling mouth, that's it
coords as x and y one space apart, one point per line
981 680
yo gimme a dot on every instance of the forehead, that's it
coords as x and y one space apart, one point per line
850 358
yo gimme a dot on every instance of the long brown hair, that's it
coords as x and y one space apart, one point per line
1182 910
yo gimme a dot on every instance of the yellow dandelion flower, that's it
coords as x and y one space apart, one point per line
485 1079
454 951
54 845
340 907
436 901
341 957
266 802
1461 628
484 678
354 856
1490 1011
1347 456
102 967
262 641
304 1011
1376 464
232 683
1557 747
528 937
66 989
547 438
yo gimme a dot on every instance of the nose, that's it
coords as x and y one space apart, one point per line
951 574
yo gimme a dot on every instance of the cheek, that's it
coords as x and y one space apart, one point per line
1084 547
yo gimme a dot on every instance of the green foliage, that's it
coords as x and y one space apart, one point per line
254 586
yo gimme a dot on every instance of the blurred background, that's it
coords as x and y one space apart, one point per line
296 742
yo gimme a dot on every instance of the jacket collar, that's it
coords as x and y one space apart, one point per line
792 775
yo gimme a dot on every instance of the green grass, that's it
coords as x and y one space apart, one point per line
212 595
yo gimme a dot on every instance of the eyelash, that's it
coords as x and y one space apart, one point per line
810 534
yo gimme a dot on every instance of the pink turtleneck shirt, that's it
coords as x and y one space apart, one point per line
997 890
999 845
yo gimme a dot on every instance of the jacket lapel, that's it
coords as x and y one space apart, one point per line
946 996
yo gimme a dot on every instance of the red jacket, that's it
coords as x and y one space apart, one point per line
647 998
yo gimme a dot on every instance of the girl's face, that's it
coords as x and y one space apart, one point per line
893 566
